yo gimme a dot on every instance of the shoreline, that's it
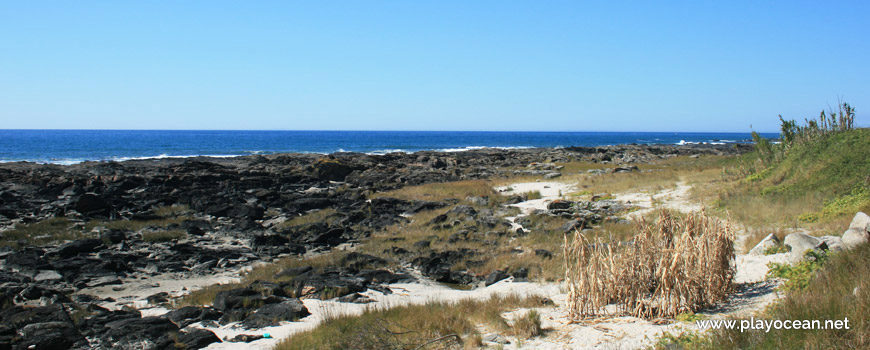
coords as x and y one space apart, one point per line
743 146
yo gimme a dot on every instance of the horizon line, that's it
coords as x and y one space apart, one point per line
403 130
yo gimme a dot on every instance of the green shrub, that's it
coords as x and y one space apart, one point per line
800 275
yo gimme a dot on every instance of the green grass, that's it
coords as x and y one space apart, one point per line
817 186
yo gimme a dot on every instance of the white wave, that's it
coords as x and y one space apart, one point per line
386 151
166 156
469 148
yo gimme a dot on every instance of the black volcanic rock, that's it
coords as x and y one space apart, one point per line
273 314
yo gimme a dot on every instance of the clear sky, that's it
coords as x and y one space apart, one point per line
430 65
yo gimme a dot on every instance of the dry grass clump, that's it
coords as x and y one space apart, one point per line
310 217
264 272
528 325
42 232
675 265
445 190
433 325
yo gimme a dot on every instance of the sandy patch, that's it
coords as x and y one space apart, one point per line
676 198
134 292
403 294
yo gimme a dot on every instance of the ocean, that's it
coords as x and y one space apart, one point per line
75 146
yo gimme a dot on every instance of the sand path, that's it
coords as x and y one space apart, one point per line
752 295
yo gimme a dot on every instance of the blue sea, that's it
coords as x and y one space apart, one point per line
74 146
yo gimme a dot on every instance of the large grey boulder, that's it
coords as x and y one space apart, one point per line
857 233
767 243
861 221
800 243
834 243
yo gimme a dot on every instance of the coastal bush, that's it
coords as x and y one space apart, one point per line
798 276
817 184
675 265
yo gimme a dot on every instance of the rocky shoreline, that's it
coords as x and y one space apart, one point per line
68 230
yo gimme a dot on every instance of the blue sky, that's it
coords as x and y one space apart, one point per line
430 65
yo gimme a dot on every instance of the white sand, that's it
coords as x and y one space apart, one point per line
403 294
134 292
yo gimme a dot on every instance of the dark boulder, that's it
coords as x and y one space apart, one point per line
81 246
246 212
559 204
229 300
196 338
331 170
188 315
113 236
358 261
91 205
52 335
495 276
273 314
140 333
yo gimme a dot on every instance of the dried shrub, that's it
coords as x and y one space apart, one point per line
678 264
